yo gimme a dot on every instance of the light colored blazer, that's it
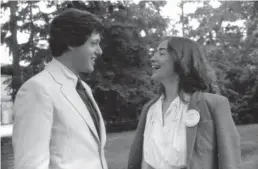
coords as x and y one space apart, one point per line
52 126
213 143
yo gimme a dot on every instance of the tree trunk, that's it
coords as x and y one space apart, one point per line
182 18
14 47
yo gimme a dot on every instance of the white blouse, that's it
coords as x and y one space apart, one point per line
164 145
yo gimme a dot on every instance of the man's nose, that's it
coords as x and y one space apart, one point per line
99 51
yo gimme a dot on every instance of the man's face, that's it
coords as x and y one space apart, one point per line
84 56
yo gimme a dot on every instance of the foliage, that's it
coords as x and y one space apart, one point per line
25 17
231 49
120 83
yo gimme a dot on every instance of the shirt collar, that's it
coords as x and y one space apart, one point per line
71 76
174 102
158 108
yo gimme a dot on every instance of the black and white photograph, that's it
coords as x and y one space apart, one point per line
129 84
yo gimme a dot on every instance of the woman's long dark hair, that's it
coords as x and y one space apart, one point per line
195 74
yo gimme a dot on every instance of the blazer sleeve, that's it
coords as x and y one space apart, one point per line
228 139
135 154
32 127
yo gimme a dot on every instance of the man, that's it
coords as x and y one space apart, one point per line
57 123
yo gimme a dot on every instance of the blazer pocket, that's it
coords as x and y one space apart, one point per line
206 135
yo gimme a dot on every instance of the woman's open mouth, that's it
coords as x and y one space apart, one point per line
155 67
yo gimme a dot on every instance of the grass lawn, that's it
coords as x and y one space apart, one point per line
249 146
118 144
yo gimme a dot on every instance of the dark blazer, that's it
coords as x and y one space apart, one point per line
213 143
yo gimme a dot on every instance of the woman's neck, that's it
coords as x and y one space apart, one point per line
171 90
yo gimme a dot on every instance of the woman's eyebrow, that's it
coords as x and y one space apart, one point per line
162 49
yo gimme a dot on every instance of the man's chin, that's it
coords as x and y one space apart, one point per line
87 71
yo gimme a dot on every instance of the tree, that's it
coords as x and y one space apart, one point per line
121 71
12 42
120 82
24 19
231 50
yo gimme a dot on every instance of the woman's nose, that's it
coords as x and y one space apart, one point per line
153 58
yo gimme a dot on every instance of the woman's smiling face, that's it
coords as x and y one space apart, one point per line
162 63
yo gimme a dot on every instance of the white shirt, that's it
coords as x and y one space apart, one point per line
164 145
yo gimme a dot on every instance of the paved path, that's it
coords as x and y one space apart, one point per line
6 130
6 147
7 153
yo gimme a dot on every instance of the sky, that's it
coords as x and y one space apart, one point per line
171 10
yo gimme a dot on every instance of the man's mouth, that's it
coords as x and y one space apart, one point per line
93 60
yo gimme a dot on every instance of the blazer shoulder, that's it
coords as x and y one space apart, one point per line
145 109
38 81
216 102
213 99
147 105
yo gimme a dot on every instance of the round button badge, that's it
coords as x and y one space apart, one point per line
192 118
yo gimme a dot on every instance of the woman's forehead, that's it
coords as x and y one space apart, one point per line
163 45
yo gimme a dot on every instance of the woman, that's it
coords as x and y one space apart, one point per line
185 127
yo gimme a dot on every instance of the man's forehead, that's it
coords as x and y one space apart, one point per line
95 36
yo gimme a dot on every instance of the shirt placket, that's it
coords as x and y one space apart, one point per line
176 108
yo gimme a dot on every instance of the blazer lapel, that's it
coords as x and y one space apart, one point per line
191 131
75 100
101 121
68 88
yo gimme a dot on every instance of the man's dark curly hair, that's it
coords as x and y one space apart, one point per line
72 27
